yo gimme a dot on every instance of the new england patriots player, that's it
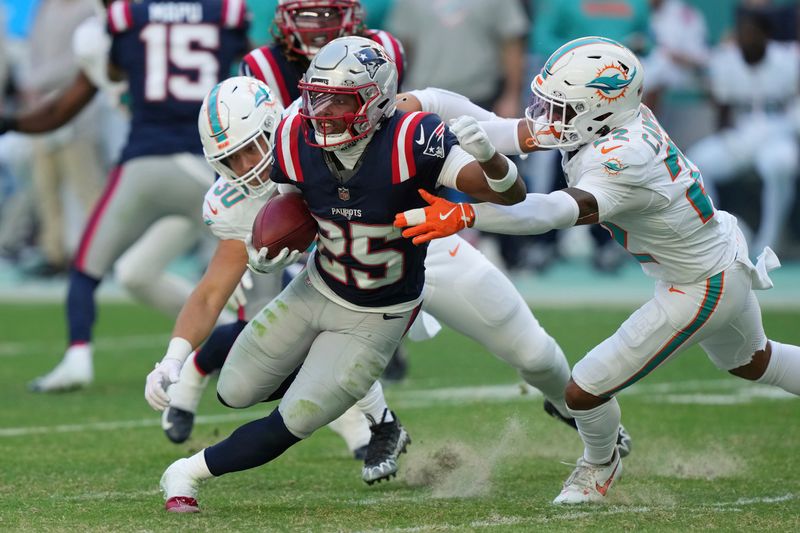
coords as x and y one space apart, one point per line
355 161
171 57
245 109
141 269
624 172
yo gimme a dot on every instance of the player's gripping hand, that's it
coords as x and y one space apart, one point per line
257 259
472 138
440 219
239 297
165 373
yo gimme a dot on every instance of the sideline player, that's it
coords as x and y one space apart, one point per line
625 172
355 161
171 58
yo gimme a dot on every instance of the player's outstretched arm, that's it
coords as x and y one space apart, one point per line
492 177
510 136
538 213
57 112
197 317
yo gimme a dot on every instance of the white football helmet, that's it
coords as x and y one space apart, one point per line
238 113
348 68
588 87
305 26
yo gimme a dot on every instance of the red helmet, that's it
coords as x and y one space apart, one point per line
308 25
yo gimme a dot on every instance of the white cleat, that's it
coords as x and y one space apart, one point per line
589 483
73 372
179 488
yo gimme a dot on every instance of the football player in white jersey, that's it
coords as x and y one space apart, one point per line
754 82
624 172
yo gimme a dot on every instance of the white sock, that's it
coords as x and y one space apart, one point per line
553 381
186 393
196 466
783 369
373 405
353 427
598 429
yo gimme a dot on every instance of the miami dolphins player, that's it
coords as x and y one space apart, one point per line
623 171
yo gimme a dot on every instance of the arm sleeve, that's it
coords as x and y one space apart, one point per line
453 163
449 105
538 213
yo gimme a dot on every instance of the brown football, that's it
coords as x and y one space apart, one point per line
284 222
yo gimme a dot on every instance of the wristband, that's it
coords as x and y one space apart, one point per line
179 348
507 181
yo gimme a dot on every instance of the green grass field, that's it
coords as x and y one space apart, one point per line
710 451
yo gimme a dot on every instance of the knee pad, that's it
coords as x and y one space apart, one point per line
303 416
233 396
535 352
223 402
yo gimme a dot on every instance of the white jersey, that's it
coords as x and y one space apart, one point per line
228 213
760 90
651 199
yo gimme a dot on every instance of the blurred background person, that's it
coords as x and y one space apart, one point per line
753 82
472 47
679 50
66 163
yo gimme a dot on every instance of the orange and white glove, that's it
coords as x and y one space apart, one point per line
441 218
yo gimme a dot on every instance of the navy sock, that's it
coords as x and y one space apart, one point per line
216 348
80 306
251 445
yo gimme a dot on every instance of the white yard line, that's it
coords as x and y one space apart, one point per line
697 392
571 515
126 342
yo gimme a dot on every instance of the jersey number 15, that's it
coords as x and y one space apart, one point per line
188 47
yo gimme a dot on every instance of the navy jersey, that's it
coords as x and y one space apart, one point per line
361 256
270 65
173 54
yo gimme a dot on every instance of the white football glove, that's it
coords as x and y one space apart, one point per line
239 297
472 138
165 373
257 259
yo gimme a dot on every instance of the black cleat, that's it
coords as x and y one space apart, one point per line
177 424
396 370
360 453
388 441
624 443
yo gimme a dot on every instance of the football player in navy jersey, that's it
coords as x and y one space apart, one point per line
303 27
172 54
356 162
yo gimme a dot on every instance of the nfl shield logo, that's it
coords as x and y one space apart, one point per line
344 194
